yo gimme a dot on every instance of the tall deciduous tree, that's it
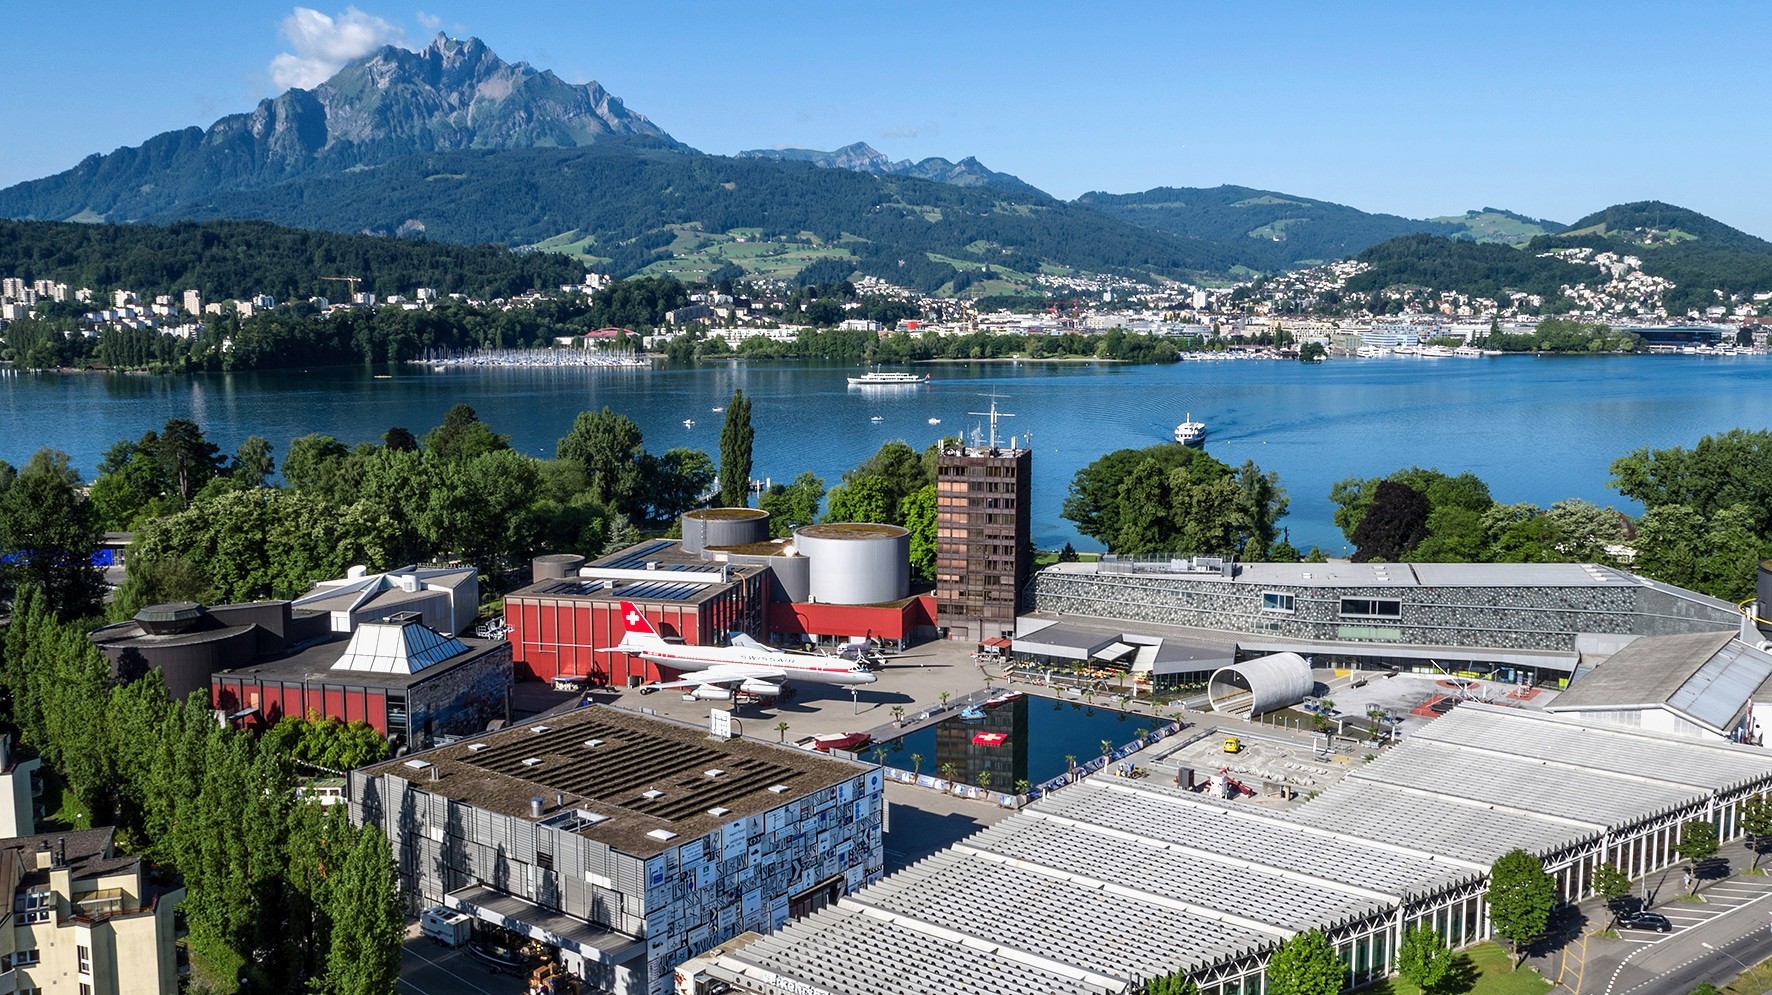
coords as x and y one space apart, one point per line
1521 896
1611 884
1756 822
367 923
1305 965
610 448
1698 843
736 437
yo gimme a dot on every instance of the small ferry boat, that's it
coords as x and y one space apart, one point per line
882 378
935 421
877 418
828 741
688 423
1190 432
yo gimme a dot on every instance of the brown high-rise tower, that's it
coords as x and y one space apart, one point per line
983 499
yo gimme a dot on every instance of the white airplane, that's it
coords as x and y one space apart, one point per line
716 672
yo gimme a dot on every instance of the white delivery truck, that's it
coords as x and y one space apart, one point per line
446 926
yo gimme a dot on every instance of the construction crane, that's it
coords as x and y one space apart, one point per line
345 279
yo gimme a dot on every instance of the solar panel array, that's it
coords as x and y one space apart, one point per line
624 769
843 949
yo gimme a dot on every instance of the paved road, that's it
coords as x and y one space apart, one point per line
1735 920
429 969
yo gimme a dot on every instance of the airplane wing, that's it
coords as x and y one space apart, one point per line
734 674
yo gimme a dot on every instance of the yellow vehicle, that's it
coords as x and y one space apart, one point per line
1233 745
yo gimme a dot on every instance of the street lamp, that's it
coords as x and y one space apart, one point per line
1725 953
855 698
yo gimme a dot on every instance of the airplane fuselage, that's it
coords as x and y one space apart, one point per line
687 659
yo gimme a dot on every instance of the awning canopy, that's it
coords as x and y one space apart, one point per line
552 928
1112 652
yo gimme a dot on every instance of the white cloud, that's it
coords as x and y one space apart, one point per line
320 44
430 22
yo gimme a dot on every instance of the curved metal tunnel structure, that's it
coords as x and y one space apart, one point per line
1264 684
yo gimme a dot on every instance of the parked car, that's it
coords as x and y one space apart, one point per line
1645 920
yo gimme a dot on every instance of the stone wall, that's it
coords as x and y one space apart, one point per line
461 700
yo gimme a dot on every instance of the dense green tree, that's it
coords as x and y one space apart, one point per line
792 505
864 499
1521 896
188 460
679 480
368 922
327 742
1585 532
1168 984
1305 965
1424 960
268 542
128 483
253 464
1756 823
1734 468
476 507
48 533
1145 510
919 514
1173 499
736 436
319 465
463 436
610 448
1613 885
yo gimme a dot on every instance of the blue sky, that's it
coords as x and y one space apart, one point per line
1551 109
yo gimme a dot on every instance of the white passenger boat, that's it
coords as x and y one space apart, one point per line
881 378
1190 432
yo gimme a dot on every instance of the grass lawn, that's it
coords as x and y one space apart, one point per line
1485 969
1752 982
65 813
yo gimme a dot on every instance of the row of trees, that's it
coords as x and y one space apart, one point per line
283 893
1705 526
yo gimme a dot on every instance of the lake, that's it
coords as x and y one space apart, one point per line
1537 429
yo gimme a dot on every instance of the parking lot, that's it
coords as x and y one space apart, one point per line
428 968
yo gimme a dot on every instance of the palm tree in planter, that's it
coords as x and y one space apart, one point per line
944 696
916 764
984 779
898 715
782 729
947 772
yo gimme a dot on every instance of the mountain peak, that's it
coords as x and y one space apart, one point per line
453 94
861 157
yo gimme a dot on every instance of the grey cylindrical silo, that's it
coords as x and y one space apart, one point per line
793 575
554 566
705 527
856 563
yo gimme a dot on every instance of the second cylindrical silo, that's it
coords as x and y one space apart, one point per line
856 563
705 527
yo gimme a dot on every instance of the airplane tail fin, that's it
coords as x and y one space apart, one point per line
639 633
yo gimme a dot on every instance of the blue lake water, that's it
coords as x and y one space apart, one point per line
1535 429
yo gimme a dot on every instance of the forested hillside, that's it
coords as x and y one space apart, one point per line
1700 255
1260 229
224 259
619 199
